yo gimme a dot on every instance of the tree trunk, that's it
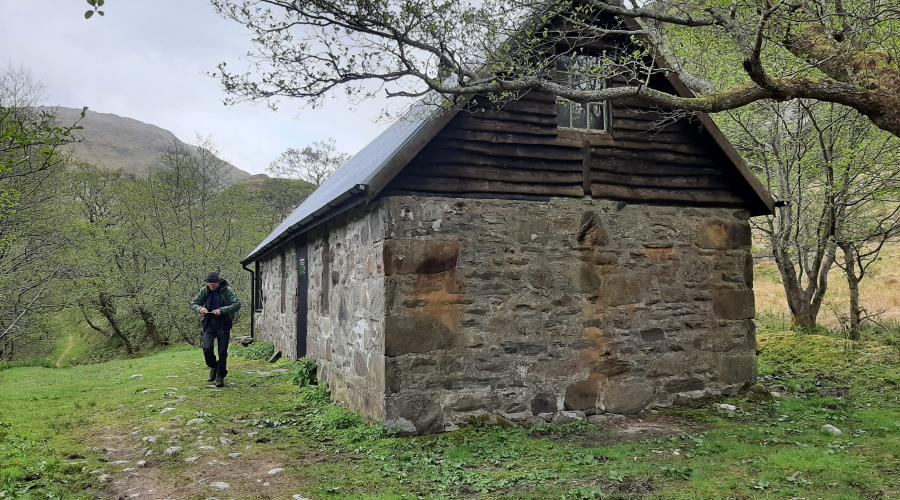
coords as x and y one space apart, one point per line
804 303
108 310
853 279
150 330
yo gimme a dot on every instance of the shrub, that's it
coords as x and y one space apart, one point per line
305 370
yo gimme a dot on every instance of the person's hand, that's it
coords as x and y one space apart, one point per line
203 311
217 312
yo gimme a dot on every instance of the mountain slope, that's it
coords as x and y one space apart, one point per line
112 141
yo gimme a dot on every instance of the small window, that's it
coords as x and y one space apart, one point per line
580 72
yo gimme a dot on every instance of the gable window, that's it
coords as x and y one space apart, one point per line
580 72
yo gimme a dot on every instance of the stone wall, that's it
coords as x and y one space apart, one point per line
527 308
346 308
273 323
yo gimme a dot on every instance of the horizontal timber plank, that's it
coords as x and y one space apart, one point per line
457 185
640 167
498 126
541 152
656 194
669 181
649 155
503 115
535 141
460 157
690 149
495 174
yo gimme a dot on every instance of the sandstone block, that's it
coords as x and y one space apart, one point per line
724 235
734 304
415 334
419 256
627 396
582 395
737 368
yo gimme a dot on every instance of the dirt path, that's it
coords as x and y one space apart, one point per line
69 343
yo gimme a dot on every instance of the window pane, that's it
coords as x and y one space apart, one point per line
597 118
579 115
563 114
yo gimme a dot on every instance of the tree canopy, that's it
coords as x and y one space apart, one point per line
830 50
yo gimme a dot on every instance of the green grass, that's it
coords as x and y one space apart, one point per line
53 421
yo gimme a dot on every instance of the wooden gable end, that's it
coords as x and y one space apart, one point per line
517 149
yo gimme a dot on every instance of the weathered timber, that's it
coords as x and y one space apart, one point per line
458 185
458 157
545 152
483 124
507 116
710 197
496 174
639 167
654 156
669 182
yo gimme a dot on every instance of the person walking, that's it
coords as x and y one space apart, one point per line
217 304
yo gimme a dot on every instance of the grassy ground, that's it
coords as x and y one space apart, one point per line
79 432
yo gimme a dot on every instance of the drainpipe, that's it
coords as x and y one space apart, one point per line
252 300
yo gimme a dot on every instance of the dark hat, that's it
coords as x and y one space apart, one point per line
213 278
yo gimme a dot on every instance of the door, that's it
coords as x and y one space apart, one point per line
302 295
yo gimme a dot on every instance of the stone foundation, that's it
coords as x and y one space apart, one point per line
425 312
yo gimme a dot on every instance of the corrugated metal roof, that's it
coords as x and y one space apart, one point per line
411 130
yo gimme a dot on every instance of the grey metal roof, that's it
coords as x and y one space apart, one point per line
372 167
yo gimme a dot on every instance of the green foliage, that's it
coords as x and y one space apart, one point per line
304 372
259 350
768 449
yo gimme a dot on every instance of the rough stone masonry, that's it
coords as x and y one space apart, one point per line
450 308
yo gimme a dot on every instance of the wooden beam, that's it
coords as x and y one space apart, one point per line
709 197
457 185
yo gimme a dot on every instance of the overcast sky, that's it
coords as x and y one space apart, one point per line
148 59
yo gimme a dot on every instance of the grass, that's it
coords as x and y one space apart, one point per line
56 423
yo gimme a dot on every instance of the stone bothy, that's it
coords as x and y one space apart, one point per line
509 259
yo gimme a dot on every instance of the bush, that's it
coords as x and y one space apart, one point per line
305 370
257 350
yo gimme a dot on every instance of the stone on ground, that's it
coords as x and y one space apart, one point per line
172 450
834 431
275 471
219 485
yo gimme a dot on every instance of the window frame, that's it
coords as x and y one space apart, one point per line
569 80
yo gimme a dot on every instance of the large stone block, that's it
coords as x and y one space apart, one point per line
417 408
582 395
734 369
625 288
723 235
419 256
415 334
627 395
734 304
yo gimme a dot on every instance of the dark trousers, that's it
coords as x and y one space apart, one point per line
222 337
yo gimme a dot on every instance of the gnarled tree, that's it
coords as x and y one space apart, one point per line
838 51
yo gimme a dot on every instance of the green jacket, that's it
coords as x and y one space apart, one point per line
230 300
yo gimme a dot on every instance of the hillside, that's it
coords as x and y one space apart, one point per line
113 141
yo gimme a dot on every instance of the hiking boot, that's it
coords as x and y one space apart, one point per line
212 374
220 381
